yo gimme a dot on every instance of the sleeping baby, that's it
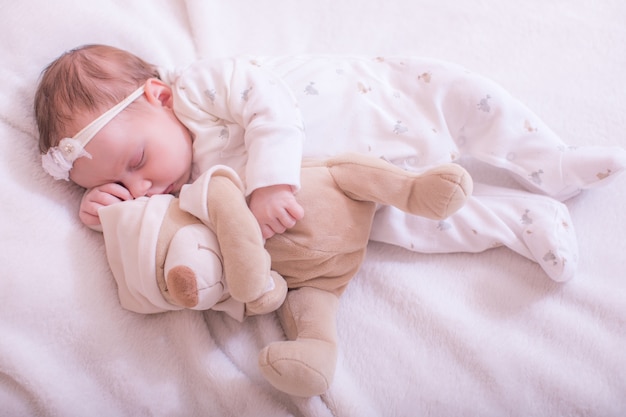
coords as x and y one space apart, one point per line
123 128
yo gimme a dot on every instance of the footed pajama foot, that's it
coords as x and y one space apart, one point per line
303 367
588 167
552 242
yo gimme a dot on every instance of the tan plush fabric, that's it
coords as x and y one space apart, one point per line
315 259
320 255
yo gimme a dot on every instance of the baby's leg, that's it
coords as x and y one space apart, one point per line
490 125
535 226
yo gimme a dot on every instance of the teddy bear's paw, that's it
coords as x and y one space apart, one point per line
304 367
182 286
272 299
448 187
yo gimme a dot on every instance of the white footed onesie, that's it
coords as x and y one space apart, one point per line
262 115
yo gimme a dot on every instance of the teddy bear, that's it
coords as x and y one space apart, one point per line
204 250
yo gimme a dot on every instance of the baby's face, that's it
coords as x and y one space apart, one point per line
145 149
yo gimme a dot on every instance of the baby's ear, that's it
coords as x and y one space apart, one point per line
158 92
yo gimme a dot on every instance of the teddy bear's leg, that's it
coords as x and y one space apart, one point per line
435 194
304 365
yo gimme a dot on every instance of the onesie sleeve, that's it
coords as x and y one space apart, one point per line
245 94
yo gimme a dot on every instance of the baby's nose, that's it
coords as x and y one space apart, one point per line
140 188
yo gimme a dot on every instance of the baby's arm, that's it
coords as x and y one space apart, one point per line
246 94
100 196
275 208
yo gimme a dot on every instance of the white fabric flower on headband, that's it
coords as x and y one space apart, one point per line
59 160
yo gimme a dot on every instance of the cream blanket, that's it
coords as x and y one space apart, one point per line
440 335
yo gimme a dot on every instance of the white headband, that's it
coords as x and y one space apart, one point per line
58 161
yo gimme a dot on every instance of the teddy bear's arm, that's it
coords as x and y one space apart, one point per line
217 199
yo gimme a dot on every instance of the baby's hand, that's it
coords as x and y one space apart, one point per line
275 208
103 195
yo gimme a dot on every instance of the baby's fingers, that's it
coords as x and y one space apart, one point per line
266 231
286 220
116 190
295 211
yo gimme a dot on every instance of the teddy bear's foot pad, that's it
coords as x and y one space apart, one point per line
303 368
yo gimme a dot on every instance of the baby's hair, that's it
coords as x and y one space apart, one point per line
92 79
